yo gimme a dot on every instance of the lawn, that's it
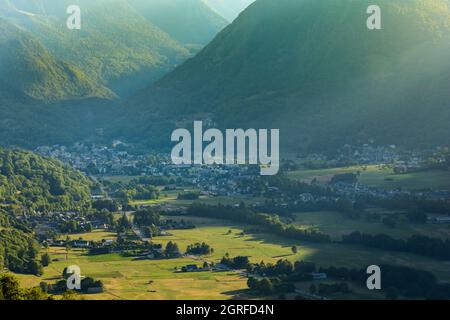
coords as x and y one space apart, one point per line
380 176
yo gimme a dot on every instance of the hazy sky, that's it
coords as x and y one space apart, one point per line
229 9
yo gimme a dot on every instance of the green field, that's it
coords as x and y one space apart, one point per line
127 278
95 235
130 279
271 248
380 176
170 198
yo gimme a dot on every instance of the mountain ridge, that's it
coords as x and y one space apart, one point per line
30 69
268 69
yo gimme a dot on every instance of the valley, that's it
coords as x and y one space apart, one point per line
98 175
130 259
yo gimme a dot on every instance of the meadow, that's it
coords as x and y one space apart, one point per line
130 278
170 198
95 235
126 278
270 248
380 176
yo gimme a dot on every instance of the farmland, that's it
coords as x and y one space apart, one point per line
130 278
380 176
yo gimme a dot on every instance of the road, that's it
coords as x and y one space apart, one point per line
135 229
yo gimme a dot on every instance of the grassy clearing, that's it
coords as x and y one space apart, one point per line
170 198
95 235
380 176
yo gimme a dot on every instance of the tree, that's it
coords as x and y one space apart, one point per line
147 217
68 247
35 268
45 260
70 295
253 283
172 249
266 286
9 288
312 289
123 224
199 249
304 267
34 294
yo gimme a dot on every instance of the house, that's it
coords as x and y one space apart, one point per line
81 244
439 220
108 242
319 276
190 268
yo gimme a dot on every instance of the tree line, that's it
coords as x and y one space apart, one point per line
418 244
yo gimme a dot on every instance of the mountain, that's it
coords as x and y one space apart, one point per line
44 100
115 47
123 44
27 68
229 9
190 22
314 70
59 85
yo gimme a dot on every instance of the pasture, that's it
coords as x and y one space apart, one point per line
380 176
130 278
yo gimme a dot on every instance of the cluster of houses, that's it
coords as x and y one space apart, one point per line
372 154
52 221
206 267
97 159
219 180
438 219
354 190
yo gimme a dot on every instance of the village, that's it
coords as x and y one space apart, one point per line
236 181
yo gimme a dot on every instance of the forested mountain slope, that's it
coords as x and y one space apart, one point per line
314 70
31 184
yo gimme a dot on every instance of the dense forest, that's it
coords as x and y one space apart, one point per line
38 184
18 248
